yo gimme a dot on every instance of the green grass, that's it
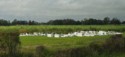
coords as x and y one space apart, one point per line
112 55
29 43
58 43
64 28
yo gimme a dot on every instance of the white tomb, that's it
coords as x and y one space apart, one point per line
56 35
35 34
86 34
50 35
79 34
102 33
65 35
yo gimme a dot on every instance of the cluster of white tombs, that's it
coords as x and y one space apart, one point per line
78 34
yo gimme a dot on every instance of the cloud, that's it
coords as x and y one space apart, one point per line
44 10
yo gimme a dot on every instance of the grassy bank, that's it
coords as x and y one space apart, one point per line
64 28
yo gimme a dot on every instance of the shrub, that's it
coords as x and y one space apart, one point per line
115 43
97 46
41 51
62 53
9 43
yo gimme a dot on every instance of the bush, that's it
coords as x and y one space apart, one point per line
115 43
9 43
97 46
41 51
62 53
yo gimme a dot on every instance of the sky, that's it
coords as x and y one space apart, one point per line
45 10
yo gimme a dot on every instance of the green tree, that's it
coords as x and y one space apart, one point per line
106 20
115 21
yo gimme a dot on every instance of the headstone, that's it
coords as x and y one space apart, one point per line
86 34
102 33
35 34
56 35
79 34
49 35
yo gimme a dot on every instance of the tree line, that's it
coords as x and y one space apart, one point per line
17 22
86 21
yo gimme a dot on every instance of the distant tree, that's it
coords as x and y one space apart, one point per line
14 22
106 20
33 23
92 21
123 22
4 22
99 22
23 22
50 22
62 22
86 21
30 22
78 22
69 22
115 21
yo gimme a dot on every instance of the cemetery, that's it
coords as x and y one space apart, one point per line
72 34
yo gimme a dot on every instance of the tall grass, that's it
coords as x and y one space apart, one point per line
64 28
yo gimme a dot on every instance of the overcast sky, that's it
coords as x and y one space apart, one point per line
44 10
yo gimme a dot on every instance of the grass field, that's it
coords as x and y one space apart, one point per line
58 43
29 43
62 43
64 28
